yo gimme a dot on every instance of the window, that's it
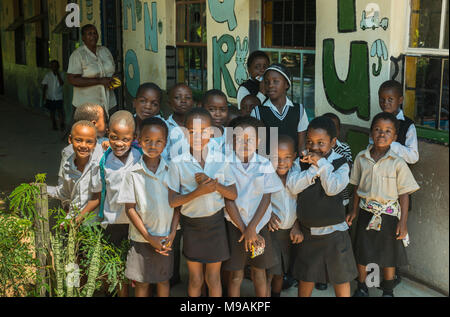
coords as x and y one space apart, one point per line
289 37
19 35
426 69
191 44
42 36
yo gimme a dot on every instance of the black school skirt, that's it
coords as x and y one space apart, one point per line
325 259
380 247
205 239
281 243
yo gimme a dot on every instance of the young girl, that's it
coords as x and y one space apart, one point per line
283 223
325 255
257 63
216 103
249 214
147 103
199 182
153 220
278 111
383 183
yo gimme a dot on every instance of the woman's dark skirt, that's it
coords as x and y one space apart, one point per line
325 259
380 247
205 239
145 265
239 258
281 243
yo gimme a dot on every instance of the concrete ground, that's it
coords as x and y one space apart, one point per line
28 146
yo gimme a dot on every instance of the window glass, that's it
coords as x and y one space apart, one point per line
425 23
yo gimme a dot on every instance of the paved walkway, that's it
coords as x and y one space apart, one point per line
29 146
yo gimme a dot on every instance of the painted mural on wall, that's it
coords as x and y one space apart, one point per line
226 47
380 51
371 18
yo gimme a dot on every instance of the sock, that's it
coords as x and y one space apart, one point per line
363 286
273 294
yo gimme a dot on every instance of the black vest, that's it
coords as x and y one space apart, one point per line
252 86
404 126
287 126
315 208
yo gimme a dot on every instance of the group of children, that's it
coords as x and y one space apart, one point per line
155 180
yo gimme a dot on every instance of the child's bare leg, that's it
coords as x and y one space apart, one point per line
212 278
141 290
195 278
342 290
163 289
225 278
259 281
122 290
269 278
305 289
234 285
277 284
362 273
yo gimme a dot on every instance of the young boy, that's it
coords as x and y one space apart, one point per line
383 183
52 95
147 103
115 163
216 103
283 223
249 103
390 96
153 221
248 216
233 113
325 255
75 184
278 111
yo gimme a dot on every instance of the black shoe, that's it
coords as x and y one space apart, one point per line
288 282
360 293
388 294
321 286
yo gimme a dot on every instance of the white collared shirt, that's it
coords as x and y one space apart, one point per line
333 183
252 182
303 122
89 65
243 92
181 179
75 188
177 143
410 151
284 202
115 172
54 88
68 151
150 194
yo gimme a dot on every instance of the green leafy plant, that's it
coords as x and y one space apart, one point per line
23 198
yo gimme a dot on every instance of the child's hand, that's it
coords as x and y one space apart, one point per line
296 235
156 242
251 237
200 178
260 242
350 217
402 230
274 223
170 238
206 187
105 145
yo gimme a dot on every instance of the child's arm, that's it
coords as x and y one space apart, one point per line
352 215
295 234
300 180
91 205
174 225
333 182
228 192
177 200
402 228
409 152
234 214
249 234
137 222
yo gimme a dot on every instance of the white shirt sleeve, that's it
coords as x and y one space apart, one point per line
46 80
300 180
229 176
241 94
96 180
409 152
303 123
75 66
333 182
272 183
172 178
126 191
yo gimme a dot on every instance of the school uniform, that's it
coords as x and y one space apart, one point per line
177 143
379 186
202 219
343 149
115 220
284 205
150 194
291 121
75 188
249 87
325 255
253 180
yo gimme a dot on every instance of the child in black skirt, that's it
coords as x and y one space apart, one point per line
383 184
283 225
325 255
199 180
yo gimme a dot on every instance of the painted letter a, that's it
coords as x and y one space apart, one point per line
73 18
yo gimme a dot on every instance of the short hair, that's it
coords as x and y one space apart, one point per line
198 112
392 84
284 138
333 116
88 111
171 90
86 27
247 121
155 121
324 123
123 117
233 110
258 101
256 54
149 86
54 61
83 123
386 116
213 93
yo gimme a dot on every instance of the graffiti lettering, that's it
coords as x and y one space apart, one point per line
353 94
223 11
129 4
132 82
220 59
151 30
